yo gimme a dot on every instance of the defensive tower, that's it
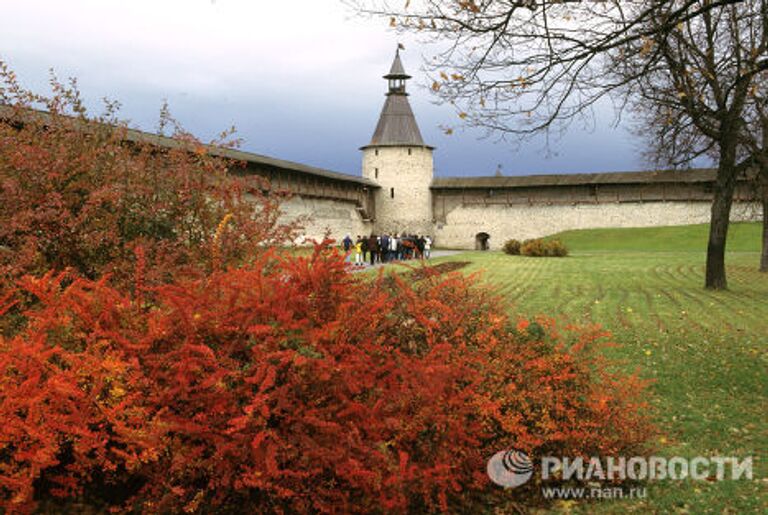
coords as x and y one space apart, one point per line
400 162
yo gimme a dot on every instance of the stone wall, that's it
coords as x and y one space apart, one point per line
404 201
338 217
501 222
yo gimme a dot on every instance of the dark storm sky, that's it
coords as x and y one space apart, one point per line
303 85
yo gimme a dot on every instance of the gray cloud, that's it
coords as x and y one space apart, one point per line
301 80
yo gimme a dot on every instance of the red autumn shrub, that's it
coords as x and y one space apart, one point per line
291 385
82 192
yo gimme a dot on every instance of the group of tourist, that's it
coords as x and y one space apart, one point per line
387 248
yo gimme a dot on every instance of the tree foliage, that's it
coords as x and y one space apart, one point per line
703 94
520 67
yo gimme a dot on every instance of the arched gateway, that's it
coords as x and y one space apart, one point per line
481 241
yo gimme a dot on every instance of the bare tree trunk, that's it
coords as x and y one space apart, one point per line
721 214
764 256
718 233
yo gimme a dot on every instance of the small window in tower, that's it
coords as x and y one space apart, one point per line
376 173
409 151
376 152
392 192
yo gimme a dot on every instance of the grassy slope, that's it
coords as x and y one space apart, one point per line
705 350
742 237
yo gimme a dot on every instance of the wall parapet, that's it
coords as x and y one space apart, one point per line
579 189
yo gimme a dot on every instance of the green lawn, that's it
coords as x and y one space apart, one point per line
706 351
742 237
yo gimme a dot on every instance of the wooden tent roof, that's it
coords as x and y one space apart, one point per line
250 157
8 113
397 125
527 181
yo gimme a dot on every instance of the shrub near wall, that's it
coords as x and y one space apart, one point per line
512 247
543 248
536 248
292 386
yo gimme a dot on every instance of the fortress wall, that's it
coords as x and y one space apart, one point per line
337 216
311 185
503 222
446 200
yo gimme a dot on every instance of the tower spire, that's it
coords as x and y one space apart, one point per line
397 76
397 125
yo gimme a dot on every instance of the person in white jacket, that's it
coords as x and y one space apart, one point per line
393 247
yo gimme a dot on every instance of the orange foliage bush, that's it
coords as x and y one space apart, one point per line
291 385
82 192
180 364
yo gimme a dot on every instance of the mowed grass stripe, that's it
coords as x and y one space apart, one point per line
706 351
